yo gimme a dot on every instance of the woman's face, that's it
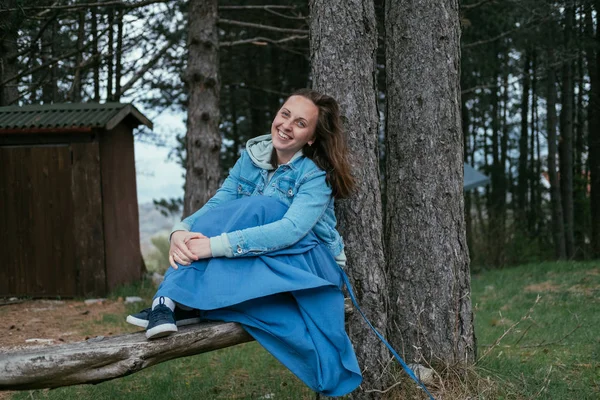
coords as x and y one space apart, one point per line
293 127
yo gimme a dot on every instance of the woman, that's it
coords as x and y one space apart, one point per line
263 250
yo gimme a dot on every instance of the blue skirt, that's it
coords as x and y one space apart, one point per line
289 300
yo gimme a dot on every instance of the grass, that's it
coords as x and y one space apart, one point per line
555 351
549 347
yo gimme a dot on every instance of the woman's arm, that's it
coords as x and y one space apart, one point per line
309 204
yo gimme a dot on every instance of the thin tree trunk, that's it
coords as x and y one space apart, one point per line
95 56
111 55
203 141
579 180
566 140
593 64
558 232
9 67
119 55
75 93
532 173
426 249
524 172
343 40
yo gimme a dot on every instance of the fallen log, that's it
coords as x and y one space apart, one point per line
104 358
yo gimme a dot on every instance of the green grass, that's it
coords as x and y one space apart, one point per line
552 354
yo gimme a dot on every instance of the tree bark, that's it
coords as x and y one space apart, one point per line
558 232
566 139
523 178
9 67
426 248
343 42
203 140
593 63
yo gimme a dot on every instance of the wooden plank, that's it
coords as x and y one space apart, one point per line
120 210
88 229
37 215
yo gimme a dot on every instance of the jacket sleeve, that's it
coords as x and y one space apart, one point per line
228 191
310 202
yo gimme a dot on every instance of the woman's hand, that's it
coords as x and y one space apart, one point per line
179 251
200 247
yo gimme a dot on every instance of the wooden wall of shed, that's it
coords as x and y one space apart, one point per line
36 221
88 229
120 207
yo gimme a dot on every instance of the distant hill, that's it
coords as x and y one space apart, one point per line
153 223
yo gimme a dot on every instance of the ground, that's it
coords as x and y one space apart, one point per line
60 321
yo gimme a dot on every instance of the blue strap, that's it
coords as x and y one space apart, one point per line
404 366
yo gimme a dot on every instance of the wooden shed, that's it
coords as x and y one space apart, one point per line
68 202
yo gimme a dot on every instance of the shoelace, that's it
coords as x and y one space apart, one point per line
396 355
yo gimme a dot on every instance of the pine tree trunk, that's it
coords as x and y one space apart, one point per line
8 61
203 141
522 180
426 248
558 232
119 56
95 55
343 44
566 140
75 92
111 55
593 63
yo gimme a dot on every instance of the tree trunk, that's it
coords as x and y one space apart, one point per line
95 55
343 40
75 92
593 62
522 180
119 55
566 139
111 54
9 66
203 141
558 232
426 249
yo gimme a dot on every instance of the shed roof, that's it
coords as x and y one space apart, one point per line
69 115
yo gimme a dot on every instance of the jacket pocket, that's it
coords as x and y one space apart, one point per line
245 188
287 187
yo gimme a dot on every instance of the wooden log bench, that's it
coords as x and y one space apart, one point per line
104 358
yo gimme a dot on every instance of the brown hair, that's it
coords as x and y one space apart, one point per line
329 150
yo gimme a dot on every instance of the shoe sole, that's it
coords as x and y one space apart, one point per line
143 323
161 331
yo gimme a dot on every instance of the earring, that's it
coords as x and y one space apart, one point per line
310 143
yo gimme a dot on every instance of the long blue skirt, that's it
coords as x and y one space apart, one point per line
289 300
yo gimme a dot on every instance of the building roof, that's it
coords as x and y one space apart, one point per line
69 115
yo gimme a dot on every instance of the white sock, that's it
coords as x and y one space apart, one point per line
165 300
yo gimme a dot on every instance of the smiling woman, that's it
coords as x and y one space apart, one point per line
266 247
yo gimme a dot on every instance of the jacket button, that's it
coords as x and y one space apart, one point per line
290 192
239 250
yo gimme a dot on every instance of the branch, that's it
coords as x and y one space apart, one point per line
475 5
147 67
52 61
503 34
260 41
260 26
101 359
265 7
88 5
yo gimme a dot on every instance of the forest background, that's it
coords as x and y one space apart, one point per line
529 72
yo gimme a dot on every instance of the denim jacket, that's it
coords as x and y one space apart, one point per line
300 184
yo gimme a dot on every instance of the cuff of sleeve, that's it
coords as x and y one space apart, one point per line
220 246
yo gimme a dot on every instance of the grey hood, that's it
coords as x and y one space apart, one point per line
260 149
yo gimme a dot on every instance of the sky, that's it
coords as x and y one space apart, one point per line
157 176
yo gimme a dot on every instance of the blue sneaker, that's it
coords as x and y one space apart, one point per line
182 317
161 321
